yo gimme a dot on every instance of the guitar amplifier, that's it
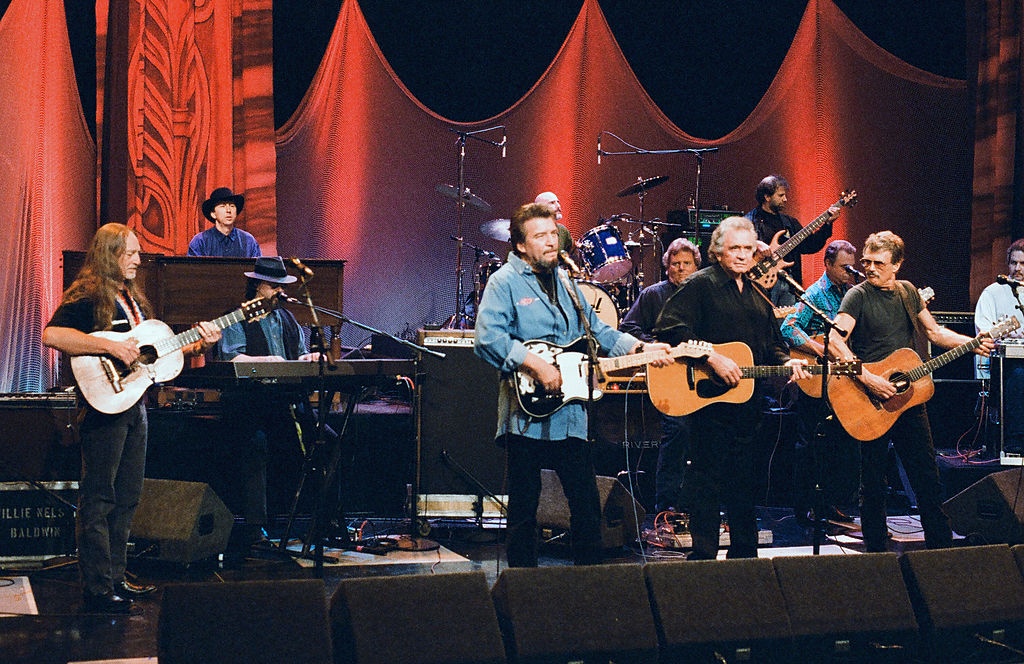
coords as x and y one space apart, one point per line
960 369
39 436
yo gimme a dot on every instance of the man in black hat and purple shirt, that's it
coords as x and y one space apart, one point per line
224 238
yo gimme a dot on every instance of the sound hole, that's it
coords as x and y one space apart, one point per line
147 355
900 381
709 389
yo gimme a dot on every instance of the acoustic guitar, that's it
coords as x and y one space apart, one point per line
112 387
686 387
865 417
571 361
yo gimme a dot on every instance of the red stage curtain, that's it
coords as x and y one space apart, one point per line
47 190
998 210
359 160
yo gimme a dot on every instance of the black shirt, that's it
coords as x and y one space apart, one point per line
883 324
767 224
80 316
709 307
643 315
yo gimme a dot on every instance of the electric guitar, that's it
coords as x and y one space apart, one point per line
571 362
112 387
865 417
684 387
813 388
766 271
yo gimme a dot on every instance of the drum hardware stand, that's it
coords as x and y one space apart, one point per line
476 275
315 536
459 320
826 415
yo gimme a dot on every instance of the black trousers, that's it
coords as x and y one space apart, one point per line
113 465
571 459
911 438
722 471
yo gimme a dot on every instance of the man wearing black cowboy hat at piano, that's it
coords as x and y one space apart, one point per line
224 238
262 415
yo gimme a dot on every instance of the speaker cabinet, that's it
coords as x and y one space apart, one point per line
180 522
252 622
963 596
991 509
559 614
619 512
848 608
458 418
416 619
732 608
39 437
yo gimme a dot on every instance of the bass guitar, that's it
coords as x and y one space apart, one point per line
866 417
110 386
686 387
571 362
766 271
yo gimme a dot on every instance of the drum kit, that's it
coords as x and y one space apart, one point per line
612 269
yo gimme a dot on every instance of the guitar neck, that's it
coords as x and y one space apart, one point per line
801 235
771 371
931 365
192 335
639 359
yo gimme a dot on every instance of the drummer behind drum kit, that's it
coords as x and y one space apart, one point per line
609 280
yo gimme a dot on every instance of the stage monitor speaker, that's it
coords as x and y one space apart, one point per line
619 512
559 614
250 622
180 522
963 597
852 608
732 608
992 509
458 414
416 619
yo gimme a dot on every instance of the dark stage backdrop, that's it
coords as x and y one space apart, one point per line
357 163
359 160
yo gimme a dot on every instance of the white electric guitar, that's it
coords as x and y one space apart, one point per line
112 387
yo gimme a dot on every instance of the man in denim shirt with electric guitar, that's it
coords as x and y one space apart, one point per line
526 314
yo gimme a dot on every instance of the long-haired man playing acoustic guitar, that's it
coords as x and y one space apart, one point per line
880 316
105 296
718 305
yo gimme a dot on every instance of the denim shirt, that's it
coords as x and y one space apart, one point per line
514 309
799 326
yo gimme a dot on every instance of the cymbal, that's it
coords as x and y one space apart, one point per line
472 200
642 185
497 229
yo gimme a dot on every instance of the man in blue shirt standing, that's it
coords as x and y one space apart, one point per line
527 299
224 238
804 332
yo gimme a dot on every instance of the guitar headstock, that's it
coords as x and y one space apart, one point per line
927 294
845 368
848 198
1004 326
694 349
256 308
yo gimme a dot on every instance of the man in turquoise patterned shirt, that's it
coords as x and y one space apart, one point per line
804 330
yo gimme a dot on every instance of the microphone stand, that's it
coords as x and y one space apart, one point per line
825 411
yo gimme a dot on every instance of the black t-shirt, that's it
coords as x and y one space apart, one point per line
80 314
883 324
709 307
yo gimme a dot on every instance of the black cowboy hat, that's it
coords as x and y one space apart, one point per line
271 268
222 195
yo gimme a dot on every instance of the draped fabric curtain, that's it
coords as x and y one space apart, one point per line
359 160
47 190
997 49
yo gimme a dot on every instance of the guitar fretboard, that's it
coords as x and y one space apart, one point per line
770 371
192 335
931 365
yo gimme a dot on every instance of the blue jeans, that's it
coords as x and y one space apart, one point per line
113 465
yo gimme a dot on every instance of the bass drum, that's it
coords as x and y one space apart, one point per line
601 301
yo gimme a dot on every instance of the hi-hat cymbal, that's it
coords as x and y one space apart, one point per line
642 185
497 229
472 200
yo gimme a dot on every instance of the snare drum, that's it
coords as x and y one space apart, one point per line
601 302
604 255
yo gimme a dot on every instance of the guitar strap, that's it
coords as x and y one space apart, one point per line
902 288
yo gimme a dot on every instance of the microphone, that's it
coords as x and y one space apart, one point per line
284 297
503 142
855 272
301 267
568 261
599 149
1003 279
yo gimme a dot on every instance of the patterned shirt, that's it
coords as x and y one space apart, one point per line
799 326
